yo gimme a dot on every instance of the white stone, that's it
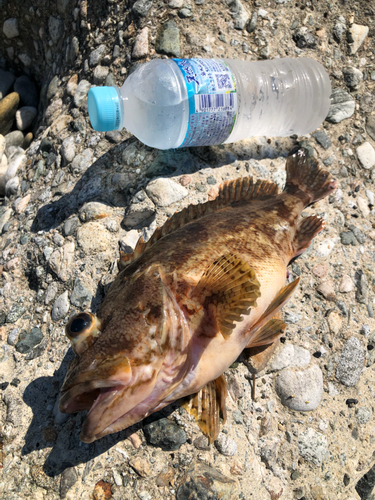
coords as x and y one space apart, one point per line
363 206
290 356
25 117
60 307
366 155
129 241
358 34
10 28
371 196
164 192
140 48
100 74
175 4
14 165
326 247
312 446
68 149
300 390
346 285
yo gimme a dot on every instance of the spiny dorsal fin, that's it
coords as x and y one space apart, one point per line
207 405
230 286
238 190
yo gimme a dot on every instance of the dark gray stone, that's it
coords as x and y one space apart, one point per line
16 311
352 77
252 24
68 478
28 340
168 39
361 286
141 7
360 237
165 434
350 365
239 14
304 39
348 238
27 91
366 484
342 106
55 28
81 296
339 28
6 82
322 139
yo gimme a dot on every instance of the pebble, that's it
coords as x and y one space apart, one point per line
68 478
27 91
52 87
51 293
175 4
226 446
370 196
366 155
25 117
128 242
352 77
16 311
201 443
350 365
13 336
6 81
300 390
61 261
168 39
342 106
14 409
141 7
312 446
334 321
140 465
304 39
60 307
370 126
326 289
96 56
11 187
28 340
320 270
80 296
94 210
291 317
71 86
322 139
360 282
100 74
68 150
363 415
81 92
326 246
346 284
90 245
339 28
55 28
205 482
15 139
165 434
140 48
82 161
8 108
348 238
164 192
5 218
356 36
10 28
363 206
239 13
290 356
70 226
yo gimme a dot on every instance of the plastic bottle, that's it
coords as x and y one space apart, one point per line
171 103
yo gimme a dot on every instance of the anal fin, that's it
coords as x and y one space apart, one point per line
228 289
307 230
207 405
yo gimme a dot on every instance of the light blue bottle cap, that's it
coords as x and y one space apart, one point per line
104 108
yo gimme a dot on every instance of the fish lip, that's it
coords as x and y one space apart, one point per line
68 399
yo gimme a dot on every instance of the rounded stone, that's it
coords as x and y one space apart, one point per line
68 149
366 155
27 91
101 242
225 445
25 117
8 108
164 192
60 307
300 390
350 365
6 82
290 356
165 434
10 28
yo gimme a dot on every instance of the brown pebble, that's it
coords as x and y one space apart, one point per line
165 478
236 469
141 466
320 270
102 491
135 440
185 180
212 193
20 204
326 289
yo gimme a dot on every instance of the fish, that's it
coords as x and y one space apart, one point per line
208 285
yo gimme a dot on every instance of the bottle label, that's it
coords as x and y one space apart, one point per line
212 96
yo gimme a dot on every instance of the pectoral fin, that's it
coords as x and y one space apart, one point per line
228 289
307 230
207 405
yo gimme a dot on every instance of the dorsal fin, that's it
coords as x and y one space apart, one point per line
237 190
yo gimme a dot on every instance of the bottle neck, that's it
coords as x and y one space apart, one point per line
122 100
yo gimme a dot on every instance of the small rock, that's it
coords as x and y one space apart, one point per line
322 139
8 108
291 317
6 81
51 293
312 446
70 226
25 117
342 106
28 340
304 39
334 321
366 155
94 210
204 482
252 24
164 192
61 261
370 126
300 390
346 284
139 214
352 77
113 136
10 28
290 356
90 245
102 491
11 187
16 311
226 446
185 13
15 409
140 48
326 246
55 28
68 149
365 330
96 56
356 36
68 478
165 434
239 13
350 365
326 289
71 86
348 238
361 285
339 28
81 296
129 241
141 7
140 465
82 161
100 74
363 415
168 39
13 336
60 307
201 443
20 204
27 91
320 270
363 207
81 92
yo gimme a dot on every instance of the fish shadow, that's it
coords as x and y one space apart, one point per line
115 186
61 434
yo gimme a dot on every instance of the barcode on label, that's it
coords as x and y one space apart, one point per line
205 103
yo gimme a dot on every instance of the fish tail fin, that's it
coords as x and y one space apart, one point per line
304 173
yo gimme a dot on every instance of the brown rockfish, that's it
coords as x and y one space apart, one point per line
207 285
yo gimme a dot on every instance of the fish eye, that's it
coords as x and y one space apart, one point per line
80 323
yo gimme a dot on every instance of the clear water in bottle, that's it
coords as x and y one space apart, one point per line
190 102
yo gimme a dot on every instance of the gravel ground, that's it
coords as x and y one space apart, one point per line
310 434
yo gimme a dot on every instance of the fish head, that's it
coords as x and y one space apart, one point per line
138 336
